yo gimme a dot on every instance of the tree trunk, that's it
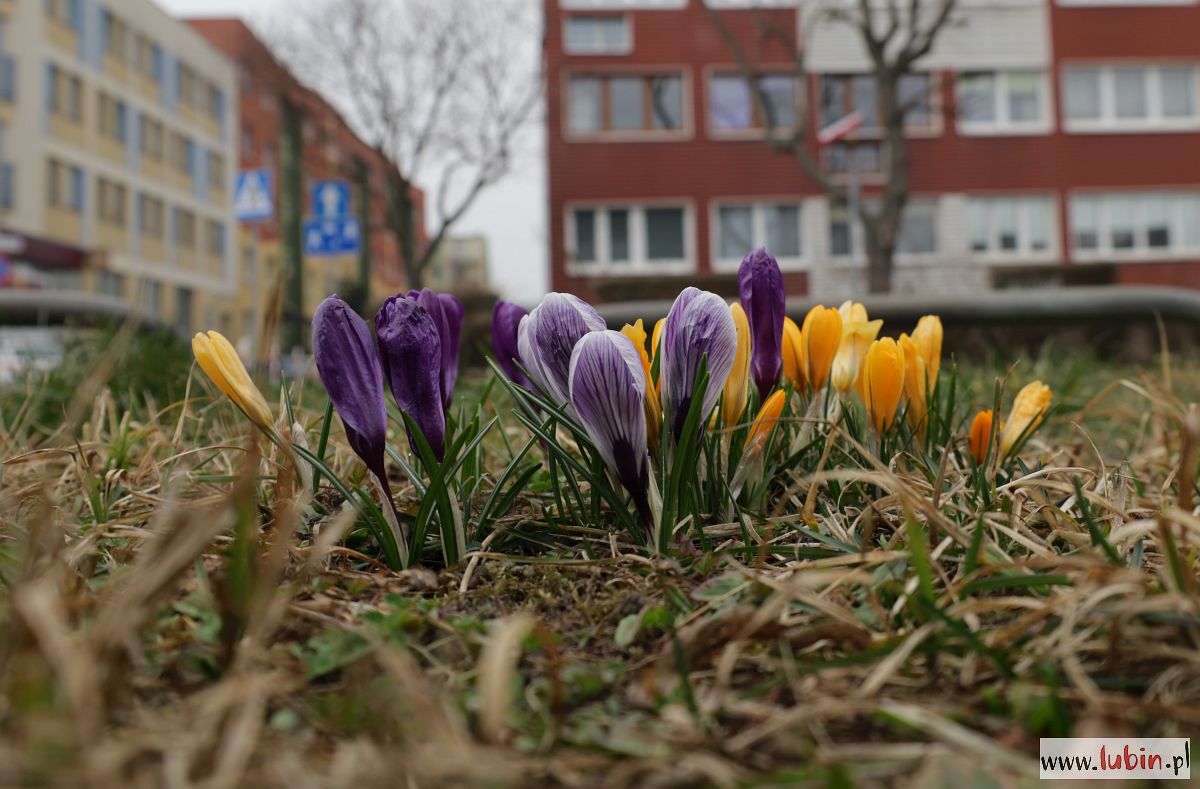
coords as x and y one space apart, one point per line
880 244
403 228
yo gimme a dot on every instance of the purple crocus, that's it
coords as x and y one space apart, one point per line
447 313
348 363
760 286
410 352
546 339
608 390
698 326
506 320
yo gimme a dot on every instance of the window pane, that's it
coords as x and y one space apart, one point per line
1024 96
625 103
977 97
666 95
1130 85
1004 215
833 99
779 94
913 91
1178 91
977 219
1120 222
1157 217
730 102
583 107
840 243
1039 224
1085 223
735 225
918 229
618 235
614 34
585 235
1083 93
580 34
866 102
783 230
1191 221
664 233
596 35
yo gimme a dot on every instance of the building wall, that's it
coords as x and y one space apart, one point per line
119 62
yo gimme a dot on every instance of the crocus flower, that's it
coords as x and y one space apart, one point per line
1028 411
410 352
882 382
348 363
636 333
852 311
447 314
698 326
547 337
506 318
981 431
916 382
928 336
221 363
737 385
793 358
764 424
760 288
820 336
857 335
607 385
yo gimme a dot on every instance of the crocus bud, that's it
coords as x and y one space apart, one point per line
764 424
547 336
1028 411
857 336
793 357
820 337
506 318
737 385
447 314
916 382
348 363
699 326
636 333
760 287
410 352
221 363
852 311
882 382
607 386
928 336
981 431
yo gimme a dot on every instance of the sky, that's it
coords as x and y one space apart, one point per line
512 214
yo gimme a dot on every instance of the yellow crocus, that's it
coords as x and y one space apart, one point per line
852 311
857 336
765 422
636 333
793 361
221 363
820 337
928 336
915 382
737 385
1028 411
655 340
981 431
882 382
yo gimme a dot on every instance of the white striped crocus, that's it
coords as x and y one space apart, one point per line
607 385
698 327
546 340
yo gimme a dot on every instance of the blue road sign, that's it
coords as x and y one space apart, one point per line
331 199
253 196
330 237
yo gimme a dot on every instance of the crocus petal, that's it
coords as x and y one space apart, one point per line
607 386
698 326
820 335
1028 411
455 313
765 422
883 382
857 337
547 337
928 336
506 318
221 363
852 311
981 431
793 359
410 352
348 363
760 287
737 385
636 334
916 382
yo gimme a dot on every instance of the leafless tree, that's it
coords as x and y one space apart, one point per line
894 35
443 89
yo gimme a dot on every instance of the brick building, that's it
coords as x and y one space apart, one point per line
1052 141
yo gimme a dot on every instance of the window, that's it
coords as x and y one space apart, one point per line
152 139
842 94
185 228
112 284
598 35
733 106
1135 224
616 239
113 118
64 186
150 216
918 228
1010 227
1130 97
216 170
183 308
625 103
214 238
991 102
64 95
110 202
181 153
865 157
150 297
742 227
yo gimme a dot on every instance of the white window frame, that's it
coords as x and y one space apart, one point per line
683 133
1141 251
1003 125
626 49
639 263
858 254
621 5
1023 253
758 232
1108 122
